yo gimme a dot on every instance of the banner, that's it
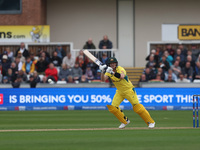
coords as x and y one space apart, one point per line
25 33
94 98
189 32
179 32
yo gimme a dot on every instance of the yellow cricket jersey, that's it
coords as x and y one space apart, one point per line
121 84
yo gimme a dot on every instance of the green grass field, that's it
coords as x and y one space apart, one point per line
91 136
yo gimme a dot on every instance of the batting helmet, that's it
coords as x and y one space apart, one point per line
112 60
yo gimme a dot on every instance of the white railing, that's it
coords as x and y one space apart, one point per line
97 52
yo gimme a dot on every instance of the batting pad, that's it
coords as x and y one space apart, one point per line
143 113
118 113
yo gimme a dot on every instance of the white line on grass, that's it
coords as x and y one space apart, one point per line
93 129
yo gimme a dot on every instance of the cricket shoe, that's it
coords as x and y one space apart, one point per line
123 125
152 125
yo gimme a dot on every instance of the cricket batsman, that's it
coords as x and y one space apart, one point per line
125 90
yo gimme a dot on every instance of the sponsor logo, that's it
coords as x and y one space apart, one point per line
189 32
1 99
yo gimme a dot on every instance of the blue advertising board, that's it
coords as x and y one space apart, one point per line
92 98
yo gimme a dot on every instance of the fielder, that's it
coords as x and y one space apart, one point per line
125 89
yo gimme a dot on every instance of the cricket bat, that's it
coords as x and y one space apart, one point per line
92 57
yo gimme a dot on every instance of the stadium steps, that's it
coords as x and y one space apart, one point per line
134 74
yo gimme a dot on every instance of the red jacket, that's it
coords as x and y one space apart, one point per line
52 72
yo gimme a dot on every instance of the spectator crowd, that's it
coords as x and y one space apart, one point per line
172 65
26 67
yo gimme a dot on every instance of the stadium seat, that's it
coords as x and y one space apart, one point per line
196 81
61 82
41 76
28 76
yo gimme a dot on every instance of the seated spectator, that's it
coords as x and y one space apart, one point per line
151 63
170 50
36 77
51 73
32 56
155 56
170 78
181 63
11 77
13 66
176 68
64 72
17 82
23 50
77 72
44 80
197 70
93 66
182 79
164 64
5 80
183 50
22 76
189 52
169 58
150 74
9 54
47 59
18 63
86 60
41 65
197 60
5 64
159 52
61 52
170 72
28 67
105 43
178 53
57 61
98 75
189 59
70 79
0 72
143 78
157 79
81 64
89 45
32 81
187 71
84 79
88 73
104 58
15 71
46 54
68 60
195 52
161 73
21 57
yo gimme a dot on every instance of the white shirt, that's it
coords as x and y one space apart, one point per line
22 50
70 62
184 80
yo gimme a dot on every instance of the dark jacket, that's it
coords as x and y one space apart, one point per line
25 53
89 46
5 67
107 43
56 61
41 66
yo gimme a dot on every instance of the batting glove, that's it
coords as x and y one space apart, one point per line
109 70
102 67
